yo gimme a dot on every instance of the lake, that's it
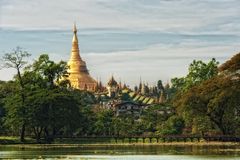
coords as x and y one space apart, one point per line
121 152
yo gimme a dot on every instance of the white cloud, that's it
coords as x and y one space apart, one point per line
172 16
162 61
153 63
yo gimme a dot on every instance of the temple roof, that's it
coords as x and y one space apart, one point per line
112 82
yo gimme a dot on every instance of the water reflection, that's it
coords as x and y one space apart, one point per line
121 152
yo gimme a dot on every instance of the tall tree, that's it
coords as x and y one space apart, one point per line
51 73
16 60
103 124
218 98
160 85
198 71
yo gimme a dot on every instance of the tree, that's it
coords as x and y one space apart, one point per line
160 86
52 112
231 65
103 124
54 100
178 84
153 116
135 88
198 71
201 124
35 102
51 73
218 98
6 89
206 99
127 126
174 125
15 113
87 117
125 97
16 60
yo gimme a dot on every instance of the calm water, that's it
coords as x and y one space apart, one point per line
122 152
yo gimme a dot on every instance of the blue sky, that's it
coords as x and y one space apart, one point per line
154 39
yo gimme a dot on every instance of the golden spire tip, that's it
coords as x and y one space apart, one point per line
74 27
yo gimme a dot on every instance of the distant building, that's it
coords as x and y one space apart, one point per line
139 98
124 108
128 108
79 76
112 87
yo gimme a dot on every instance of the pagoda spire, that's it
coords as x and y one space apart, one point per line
75 55
74 27
78 73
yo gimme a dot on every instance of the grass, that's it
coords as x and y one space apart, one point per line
14 140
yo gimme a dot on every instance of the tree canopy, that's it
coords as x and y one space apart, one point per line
40 102
217 99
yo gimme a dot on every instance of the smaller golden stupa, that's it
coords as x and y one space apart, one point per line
78 73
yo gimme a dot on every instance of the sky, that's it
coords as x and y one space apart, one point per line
151 39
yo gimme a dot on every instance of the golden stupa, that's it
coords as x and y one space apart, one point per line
78 73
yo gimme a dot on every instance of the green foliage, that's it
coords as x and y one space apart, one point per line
198 72
174 125
48 71
153 116
125 97
53 110
127 126
16 60
201 124
40 99
15 112
218 98
178 84
86 121
160 85
103 124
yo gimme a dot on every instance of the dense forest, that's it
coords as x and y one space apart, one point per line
39 102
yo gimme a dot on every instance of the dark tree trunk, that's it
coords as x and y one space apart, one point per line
47 139
22 136
37 132
219 124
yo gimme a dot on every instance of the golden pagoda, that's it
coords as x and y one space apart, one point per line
78 73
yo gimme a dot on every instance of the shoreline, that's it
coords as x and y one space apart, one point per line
69 145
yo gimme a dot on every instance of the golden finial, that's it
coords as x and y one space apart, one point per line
74 28
75 39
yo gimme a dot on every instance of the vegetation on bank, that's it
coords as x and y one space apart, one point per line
59 142
39 102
